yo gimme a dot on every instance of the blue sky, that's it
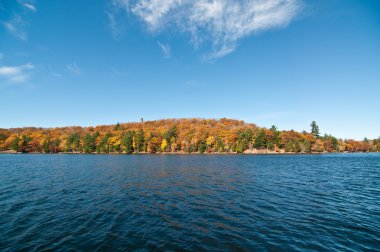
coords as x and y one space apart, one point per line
267 61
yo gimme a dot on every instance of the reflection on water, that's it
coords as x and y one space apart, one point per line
194 202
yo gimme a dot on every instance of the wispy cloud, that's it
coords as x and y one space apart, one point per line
16 73
113 23
18 23
74 68
55 74
15 27
166 50
30 6
115 72
215 26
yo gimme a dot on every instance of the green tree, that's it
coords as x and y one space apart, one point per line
220 145
24 144
117 127
73 142
202 147
89 142
240 147
46 146
314 129
335 143
15 144
274 140
127 141
104 145
140 141
244 140
260 140
170 136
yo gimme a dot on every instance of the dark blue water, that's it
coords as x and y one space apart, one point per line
115 202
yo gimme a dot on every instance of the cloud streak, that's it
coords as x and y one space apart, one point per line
30 6
214 26
166 50
74 68
15 27
16 73
17 24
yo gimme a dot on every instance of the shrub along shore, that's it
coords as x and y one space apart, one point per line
177 136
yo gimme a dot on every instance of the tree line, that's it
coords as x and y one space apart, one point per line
177 136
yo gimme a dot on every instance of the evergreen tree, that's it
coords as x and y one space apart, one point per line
260 140
314 129
170 136
140 141
335 143
73 142
275 138
117 127
55 145
15 144
127 142
104 145
46 146
24 144
202 147
89 142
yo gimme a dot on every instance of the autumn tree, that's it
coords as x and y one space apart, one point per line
172 135
104 145
24 144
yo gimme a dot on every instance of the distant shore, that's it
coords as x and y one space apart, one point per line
250 152
179 137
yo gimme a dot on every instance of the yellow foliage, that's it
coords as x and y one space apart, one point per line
164 144
210 140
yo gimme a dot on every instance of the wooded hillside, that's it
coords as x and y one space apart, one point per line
176 135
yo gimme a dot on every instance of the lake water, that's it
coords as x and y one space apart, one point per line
190 202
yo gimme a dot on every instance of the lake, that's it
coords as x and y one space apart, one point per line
190 202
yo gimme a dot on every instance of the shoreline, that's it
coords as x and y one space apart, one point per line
185 153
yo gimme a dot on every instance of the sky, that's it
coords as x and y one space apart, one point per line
269 62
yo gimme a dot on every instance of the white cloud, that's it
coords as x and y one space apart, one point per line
166 50
74 68
214 25
30 6
16 73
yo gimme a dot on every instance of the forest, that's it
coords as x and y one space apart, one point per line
177 136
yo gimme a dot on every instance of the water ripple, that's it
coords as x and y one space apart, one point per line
190 203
